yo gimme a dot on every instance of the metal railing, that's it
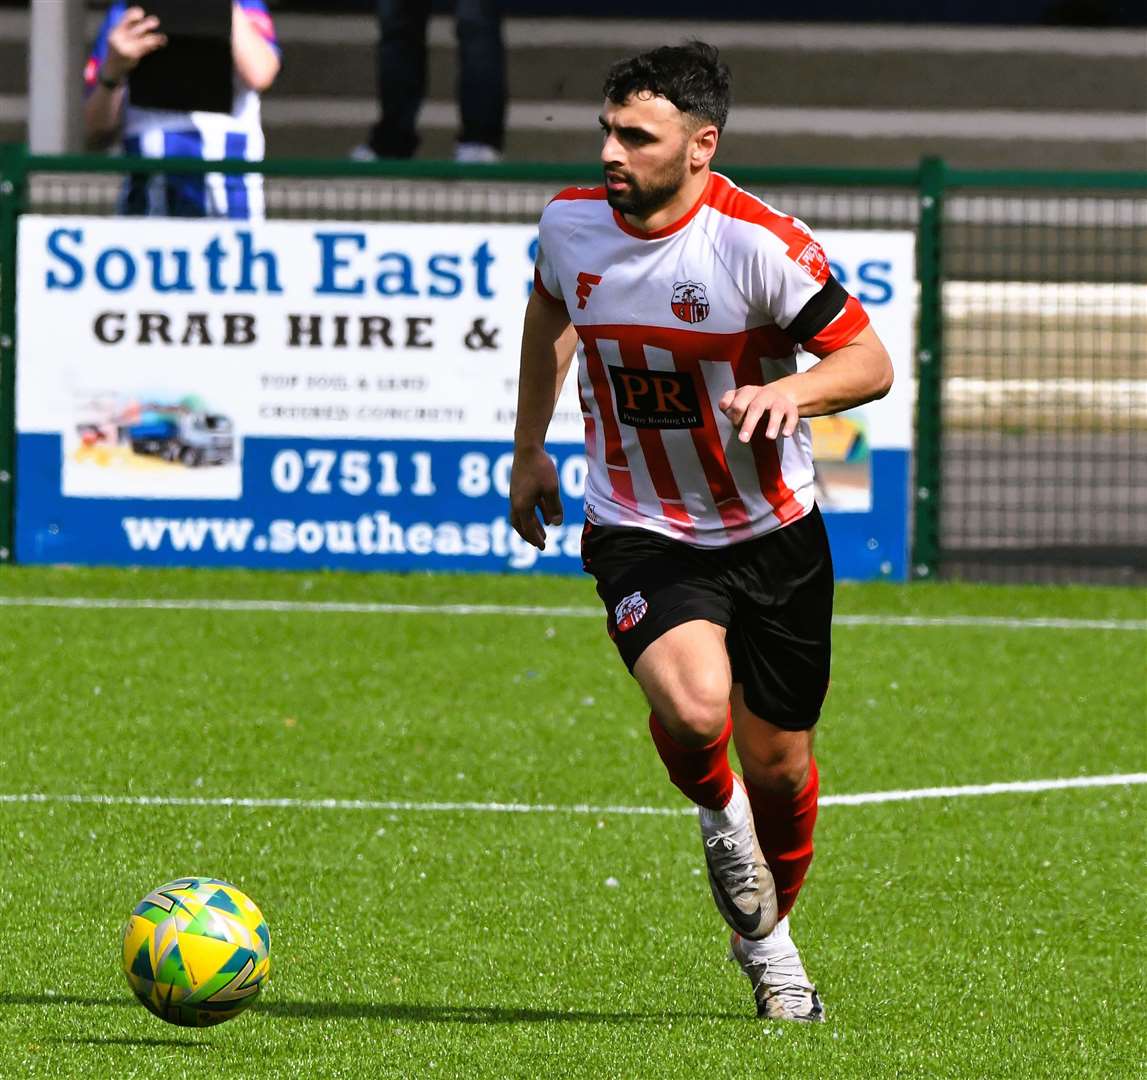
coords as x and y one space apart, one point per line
1031 336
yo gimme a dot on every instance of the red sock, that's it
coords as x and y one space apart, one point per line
701 772
784 826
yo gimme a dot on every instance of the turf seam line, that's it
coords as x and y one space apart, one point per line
860 799
575 612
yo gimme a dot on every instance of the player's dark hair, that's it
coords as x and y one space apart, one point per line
690 75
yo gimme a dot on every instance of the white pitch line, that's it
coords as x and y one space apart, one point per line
995 622
301 606
394 806
348 607
1007 788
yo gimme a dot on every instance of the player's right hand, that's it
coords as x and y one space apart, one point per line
748 405
533 487
130 40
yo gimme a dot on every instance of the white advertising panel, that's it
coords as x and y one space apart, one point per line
324 393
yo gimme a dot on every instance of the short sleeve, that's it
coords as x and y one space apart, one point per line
260 18
792 283
546 281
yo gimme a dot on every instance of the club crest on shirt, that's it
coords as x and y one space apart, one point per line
630 612
813 259
689 303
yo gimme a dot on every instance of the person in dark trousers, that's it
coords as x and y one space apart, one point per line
481 86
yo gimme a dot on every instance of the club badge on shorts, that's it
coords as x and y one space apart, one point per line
630 612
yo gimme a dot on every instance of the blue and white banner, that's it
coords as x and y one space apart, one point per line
318 394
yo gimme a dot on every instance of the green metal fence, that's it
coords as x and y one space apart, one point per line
1031 427
1043 441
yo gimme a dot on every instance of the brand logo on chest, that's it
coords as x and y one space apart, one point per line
655 399
585 284
690 303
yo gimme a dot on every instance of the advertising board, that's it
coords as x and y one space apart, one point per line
325 394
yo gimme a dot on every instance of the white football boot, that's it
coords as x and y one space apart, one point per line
738 875
780 985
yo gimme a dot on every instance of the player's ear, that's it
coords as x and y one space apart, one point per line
703 145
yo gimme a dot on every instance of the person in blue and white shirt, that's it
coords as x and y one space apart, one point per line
127 35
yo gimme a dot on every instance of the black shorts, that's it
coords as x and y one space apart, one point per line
772 594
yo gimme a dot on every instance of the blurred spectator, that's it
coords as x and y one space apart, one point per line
126 36
402 79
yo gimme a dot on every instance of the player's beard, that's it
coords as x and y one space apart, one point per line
645 199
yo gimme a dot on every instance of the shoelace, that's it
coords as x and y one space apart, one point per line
729 838
794 993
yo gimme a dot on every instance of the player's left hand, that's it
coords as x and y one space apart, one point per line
746 405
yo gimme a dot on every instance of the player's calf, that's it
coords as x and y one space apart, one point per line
739 877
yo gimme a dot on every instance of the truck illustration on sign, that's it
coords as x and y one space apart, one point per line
192 438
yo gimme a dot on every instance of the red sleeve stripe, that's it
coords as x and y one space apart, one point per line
579 193
851 320
542 291
728 199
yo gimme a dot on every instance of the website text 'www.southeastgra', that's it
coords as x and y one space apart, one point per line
368 534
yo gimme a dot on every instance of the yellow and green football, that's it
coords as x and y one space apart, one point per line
196 951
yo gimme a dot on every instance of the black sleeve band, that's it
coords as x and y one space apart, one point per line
818 312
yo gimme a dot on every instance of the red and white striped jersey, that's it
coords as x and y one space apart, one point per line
668 321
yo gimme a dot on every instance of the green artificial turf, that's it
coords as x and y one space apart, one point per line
991 936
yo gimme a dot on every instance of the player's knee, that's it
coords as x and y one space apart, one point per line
783 774
701 709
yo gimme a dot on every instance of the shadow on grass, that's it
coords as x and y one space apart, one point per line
113 1041
399 1011
470 1014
